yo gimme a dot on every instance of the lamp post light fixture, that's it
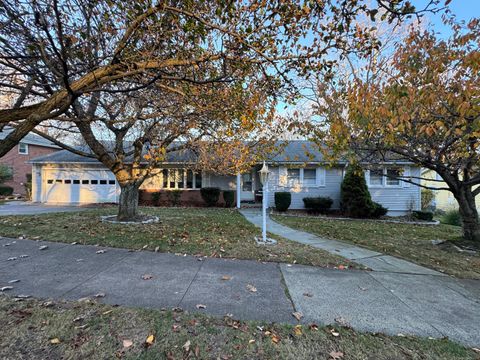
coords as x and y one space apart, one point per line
264 175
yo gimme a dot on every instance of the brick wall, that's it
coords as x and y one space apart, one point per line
20 170
188 198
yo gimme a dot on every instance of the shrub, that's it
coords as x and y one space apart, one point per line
6 173
283 199
355 199
210 195
28 187
6 190
229 198
379 210
452 217
156 197
423 215
174 196
427 198
318 204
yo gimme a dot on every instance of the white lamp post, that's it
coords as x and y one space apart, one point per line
264 174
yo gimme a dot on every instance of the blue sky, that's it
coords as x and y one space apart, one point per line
463 9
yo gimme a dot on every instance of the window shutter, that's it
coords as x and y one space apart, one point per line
282 176
320 176
406 174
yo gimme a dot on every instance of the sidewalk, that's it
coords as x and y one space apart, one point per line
426 305
372 259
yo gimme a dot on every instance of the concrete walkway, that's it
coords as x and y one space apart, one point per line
372 259
18 207
390 302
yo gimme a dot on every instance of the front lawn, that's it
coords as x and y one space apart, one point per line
410 242
197 231
87 330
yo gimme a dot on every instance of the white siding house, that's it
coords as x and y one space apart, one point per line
67 178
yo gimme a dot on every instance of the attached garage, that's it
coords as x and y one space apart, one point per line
73 186
84 181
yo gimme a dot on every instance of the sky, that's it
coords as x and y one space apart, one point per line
463 9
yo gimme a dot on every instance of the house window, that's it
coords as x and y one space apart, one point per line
293 176
310 177
376 177
189 179
76 182
103 182
23 149
49 181
111 182
68 181
247 184
180 179
393 177
94 182
198 180
85 182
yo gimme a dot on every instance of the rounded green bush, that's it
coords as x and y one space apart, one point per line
283 199
210 195
6 190
318 204
229 198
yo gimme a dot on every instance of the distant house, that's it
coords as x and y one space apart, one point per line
31 146
64 177
444 200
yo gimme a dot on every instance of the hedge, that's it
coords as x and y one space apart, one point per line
210 195
318 204
283 199
229 198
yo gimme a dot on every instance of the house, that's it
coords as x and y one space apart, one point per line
64 177
444 200
30 147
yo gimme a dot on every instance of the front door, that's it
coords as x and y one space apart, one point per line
248 187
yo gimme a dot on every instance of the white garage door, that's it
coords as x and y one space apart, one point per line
79 186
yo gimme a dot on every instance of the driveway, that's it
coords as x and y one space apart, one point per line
375 301
28 208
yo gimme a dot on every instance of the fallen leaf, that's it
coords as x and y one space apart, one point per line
335 355
307 294
144 247
127 343
197 351
186 346
226 277
150 340
157 248
107 312
341 267
147 277
13 258
342 321
5 288
275 339
251 288
313 327
100 295
334 333
477 350
201 306
55 341
251 341
297 315
298 330
100 252
43 247
14 281
23 256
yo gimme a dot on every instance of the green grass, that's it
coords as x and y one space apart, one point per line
197 231
88 330
410 242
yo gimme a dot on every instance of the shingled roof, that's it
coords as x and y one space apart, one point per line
31 139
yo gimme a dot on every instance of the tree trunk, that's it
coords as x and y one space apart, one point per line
469 214
128 203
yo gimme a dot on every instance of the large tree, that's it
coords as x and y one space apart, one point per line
421 104
52 52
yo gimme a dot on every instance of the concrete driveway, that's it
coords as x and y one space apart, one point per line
28 208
